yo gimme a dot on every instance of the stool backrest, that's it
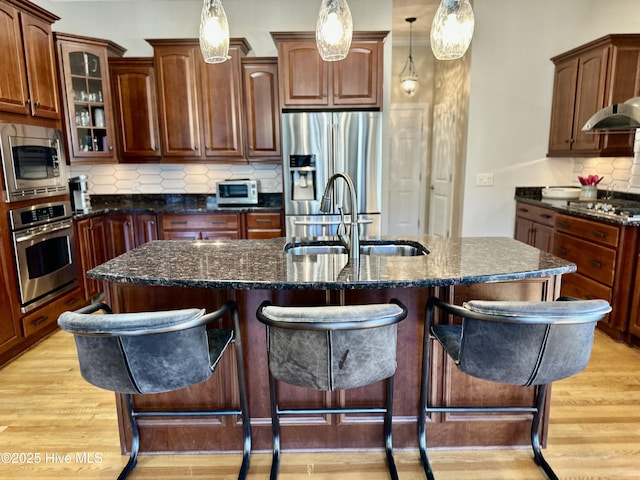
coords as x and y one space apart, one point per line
332 347
140 353
524 354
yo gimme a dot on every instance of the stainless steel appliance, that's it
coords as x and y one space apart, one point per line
237 192
33 162
315 146
80 201
44 251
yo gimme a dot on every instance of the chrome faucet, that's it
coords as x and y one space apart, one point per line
352 243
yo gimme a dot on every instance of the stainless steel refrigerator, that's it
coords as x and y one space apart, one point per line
315 146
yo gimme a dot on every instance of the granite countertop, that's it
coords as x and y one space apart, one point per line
176 203
533 196
262 264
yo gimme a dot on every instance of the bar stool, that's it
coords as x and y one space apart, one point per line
332 348
517 343
155 352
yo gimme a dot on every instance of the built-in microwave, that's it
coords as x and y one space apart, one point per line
237 192
33 162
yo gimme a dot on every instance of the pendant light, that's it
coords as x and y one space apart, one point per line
408 76
334 30
214 32
452 29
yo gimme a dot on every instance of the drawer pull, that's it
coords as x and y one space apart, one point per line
39 320
263 220
588 296
219 222
562 250
523 210
599 233
596 263
564 224
73 301
545 215
176 222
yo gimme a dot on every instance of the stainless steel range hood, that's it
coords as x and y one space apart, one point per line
620 117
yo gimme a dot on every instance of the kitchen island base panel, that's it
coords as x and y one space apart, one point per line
332 431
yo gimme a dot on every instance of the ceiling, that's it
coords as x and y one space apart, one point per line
423 10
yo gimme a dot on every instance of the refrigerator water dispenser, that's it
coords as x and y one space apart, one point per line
303 177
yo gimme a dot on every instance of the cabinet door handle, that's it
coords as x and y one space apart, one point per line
595 263
196 148
39 320
599 233
562 250
37 104
564 224
27 101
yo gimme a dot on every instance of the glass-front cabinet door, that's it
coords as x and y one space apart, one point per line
88 109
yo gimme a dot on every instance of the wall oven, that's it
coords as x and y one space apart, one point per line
44 251
33 162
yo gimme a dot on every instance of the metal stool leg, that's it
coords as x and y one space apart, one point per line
275 428
388 423
135 439
424 393
242 387
535 439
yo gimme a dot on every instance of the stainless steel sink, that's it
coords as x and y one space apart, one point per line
390 248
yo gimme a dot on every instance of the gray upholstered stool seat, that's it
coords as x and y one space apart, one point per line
155 352
517 343
331 348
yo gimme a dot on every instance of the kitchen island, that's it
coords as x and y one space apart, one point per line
174 274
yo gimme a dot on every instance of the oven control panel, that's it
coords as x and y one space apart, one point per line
39 214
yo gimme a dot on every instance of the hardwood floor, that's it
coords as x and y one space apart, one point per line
53 425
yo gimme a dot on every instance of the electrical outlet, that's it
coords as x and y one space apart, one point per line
484 179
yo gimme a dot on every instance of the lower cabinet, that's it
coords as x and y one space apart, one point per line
91 249
263 225
534 226
205 226
634 322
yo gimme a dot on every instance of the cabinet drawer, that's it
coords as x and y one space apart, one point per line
200 222
594 261
48 315
536 214
263 221
588 230
577 285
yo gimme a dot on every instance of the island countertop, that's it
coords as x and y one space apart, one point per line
263 264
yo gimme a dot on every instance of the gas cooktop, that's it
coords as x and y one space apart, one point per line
622 209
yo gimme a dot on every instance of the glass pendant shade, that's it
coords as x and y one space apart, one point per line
452 29
214 32
408 75
334 30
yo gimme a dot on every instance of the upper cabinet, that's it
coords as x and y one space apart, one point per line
262 108
133 87
86 95
306 81
588 78
199 104
28 83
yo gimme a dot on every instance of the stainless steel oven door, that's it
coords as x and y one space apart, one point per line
45 260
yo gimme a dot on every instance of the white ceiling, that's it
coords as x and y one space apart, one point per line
423 10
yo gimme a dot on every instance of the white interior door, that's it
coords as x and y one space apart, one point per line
442 171
406 183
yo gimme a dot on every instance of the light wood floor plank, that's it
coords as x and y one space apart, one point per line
48 414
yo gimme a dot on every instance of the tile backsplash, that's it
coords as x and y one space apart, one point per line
621 174
107 179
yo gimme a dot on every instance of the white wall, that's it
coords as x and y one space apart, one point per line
510 96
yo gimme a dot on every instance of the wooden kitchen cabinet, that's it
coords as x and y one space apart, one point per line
588 78
306 81
91 248
535 226
262 108
604 254
263 225
634 323
199 104
205 226
29 82
86 95
133 87
126 231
